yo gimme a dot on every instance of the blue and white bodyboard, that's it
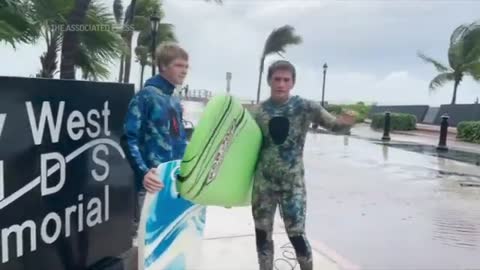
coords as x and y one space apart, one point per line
171 228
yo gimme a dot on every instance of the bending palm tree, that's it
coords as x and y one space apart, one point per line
463 58
276 42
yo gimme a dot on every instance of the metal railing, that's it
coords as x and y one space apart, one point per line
195 94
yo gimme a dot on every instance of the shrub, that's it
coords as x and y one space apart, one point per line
398 121
469 131
334 109
360 110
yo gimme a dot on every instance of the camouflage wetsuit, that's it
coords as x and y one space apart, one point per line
279 178
154 131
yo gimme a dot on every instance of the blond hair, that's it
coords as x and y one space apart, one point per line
166 52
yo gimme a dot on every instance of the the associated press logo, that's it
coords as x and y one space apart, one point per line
90 27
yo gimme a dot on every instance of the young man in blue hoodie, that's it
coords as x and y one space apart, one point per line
153 127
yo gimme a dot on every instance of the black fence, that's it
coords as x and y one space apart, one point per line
458 113
418 110
66 188
433 115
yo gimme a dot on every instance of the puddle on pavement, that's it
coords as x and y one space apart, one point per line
468 157
451 184
457 228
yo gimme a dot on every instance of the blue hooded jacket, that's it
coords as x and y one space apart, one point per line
153 127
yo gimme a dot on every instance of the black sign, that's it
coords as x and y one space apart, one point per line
66 188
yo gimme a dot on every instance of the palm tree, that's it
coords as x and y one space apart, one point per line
463 58
49 17
96 49
137 18
277 42
70 43
165 33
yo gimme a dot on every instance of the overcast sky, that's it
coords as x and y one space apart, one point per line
370 47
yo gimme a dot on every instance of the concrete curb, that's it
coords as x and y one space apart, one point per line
425 127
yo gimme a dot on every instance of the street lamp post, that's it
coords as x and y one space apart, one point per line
154 21
323 87
229 78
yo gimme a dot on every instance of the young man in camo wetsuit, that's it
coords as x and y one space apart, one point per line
153 127
279 178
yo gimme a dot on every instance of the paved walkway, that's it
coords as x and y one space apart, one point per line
418 137
229 244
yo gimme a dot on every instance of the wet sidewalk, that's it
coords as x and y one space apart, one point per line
386 208
229 243
422 142
416 137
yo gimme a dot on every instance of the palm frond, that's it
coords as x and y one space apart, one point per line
165 33
473 69
464 45
142 55
141 22
439 66
16 24
458 33
441 79
105 42
471 45
279 39
91 66
100 46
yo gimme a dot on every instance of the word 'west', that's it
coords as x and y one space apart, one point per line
77 124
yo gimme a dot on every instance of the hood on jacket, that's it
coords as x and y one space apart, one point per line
160 82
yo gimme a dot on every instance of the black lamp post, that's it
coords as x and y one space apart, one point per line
323 87
154 21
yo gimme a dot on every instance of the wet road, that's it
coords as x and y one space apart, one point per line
387 208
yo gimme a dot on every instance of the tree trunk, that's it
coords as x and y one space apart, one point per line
455 86
128 58
142 69
49 58
260 78
71 40
128 39
120 75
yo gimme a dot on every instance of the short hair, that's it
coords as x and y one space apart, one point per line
281 65
166 52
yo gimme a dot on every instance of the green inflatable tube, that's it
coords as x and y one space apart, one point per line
220 159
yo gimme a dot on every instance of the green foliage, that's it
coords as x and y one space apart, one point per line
398 121
16 25
360 110
463 58
334 109
469 131
99 48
